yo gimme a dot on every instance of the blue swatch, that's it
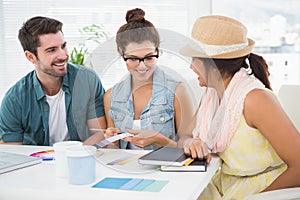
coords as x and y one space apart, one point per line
143 184
130 184
112 183
156 186
135 184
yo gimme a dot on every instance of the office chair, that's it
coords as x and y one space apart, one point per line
281 194
289 96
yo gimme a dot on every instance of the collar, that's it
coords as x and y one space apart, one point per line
39 89
159 87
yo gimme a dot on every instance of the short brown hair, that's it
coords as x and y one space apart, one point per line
34 27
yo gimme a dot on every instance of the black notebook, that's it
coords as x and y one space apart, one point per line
195 166
165 156
12 161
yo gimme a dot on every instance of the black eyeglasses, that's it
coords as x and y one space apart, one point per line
148 60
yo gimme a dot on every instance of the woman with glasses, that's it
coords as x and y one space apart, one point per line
148 103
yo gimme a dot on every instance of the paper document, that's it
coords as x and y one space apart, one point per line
12 161
113 139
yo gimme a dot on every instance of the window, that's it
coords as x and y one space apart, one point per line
275 27
166 15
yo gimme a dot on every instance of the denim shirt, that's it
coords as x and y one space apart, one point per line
24 114
157 115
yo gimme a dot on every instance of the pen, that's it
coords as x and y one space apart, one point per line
101 129
187 163
97 129
48 158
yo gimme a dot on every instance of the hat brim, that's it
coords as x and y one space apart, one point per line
189 51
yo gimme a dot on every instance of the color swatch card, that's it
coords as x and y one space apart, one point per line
124 161
47 155
134 184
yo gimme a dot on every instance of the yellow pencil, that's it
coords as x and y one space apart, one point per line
187 163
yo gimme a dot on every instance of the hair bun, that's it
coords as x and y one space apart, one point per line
136 14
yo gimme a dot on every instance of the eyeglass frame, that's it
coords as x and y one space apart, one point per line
142 59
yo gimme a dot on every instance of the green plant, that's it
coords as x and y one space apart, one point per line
93 33
78 54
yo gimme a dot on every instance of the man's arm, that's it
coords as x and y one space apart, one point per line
97 127
11 131
15 143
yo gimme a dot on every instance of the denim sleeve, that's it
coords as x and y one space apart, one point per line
10 120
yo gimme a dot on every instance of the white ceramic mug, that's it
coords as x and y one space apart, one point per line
82 164
60 153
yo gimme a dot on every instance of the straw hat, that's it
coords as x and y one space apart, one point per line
218 37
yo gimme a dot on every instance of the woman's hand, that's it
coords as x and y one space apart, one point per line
196 148
143 138
112 131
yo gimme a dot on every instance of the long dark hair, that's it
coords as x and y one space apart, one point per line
137 30
228 67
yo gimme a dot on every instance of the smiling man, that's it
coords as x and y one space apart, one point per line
55 102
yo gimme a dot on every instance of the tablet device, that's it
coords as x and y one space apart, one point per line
12 161
165 156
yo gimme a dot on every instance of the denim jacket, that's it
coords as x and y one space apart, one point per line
157 115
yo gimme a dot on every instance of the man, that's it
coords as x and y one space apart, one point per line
55 102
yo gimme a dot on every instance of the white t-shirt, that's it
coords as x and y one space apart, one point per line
136 126
58 130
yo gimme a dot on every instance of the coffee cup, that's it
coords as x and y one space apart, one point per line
60 154
81 164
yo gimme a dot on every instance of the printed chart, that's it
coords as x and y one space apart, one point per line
135 184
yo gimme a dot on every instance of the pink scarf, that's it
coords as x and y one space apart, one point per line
216 123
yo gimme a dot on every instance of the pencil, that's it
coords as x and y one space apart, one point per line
187 163
97 129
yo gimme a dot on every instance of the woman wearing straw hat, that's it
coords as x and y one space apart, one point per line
239 117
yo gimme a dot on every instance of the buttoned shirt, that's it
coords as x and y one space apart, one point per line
24 114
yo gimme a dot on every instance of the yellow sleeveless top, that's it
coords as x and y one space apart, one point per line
250 164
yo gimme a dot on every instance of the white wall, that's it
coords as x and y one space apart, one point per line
175 15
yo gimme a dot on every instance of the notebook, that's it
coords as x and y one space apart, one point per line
12 161
165 156
195 166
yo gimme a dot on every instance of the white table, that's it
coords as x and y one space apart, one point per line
39 181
